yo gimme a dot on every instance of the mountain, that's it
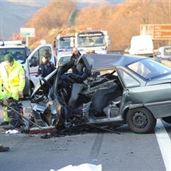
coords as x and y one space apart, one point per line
15 13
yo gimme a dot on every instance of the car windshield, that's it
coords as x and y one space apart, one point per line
64 42
18 53
149 69
91 39
167 51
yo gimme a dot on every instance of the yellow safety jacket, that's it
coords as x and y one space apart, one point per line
12 78
1 91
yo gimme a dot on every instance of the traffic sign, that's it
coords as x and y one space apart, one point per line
162 32
157 31
27 32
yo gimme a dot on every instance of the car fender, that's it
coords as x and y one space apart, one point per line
133 106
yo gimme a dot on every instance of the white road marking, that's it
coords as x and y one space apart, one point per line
164 144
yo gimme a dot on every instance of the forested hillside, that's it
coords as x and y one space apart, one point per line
122 21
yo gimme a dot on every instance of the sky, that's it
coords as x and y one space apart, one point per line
18 12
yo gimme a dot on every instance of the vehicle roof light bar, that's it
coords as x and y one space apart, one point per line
12 42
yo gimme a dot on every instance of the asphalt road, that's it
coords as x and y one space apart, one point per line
125 151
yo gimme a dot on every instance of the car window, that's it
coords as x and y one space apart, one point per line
37 56
158 53
167 51
64 43
128 80
65 59
149 69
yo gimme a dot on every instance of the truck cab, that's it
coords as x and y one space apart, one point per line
63 43
29 60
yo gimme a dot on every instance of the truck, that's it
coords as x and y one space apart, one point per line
89 39
30 60
141 45
63 44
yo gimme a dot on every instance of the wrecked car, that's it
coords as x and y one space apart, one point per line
112 89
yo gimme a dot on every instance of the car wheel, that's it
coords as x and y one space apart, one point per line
140 120
167 119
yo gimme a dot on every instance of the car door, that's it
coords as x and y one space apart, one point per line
35 59
155 97
129 84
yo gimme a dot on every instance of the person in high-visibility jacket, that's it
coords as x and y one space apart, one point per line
12 82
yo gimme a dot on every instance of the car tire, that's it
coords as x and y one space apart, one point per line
167 119
140 120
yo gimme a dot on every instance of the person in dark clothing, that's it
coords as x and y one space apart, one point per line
46 67
79 75
48 53
75 55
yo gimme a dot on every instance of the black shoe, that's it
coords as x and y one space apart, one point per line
4 149
9 126
4 123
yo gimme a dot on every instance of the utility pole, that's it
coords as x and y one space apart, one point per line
1 20
27 41
170 19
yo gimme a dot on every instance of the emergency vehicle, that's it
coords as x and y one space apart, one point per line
29 60
63 44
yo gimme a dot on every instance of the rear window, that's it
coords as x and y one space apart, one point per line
149 69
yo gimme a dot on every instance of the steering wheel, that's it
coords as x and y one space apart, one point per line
44 88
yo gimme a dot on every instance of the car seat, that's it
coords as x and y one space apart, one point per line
101 98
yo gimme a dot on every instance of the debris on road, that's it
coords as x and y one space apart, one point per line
82 167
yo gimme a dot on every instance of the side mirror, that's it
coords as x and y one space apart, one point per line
33 61
107 40
71 42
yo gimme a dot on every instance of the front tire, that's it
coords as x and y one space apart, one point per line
140 120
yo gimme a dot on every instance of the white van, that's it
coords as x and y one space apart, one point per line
141 45
29 60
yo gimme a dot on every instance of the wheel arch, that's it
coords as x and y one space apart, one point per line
140 120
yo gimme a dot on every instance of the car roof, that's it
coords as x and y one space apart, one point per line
102 61
66 55
12 46
163 47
